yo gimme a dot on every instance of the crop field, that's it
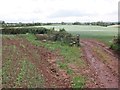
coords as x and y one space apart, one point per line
105 34
17 71
31 63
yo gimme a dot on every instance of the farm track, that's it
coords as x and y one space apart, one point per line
102 63
45 62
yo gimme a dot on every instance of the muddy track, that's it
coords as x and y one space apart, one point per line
102 62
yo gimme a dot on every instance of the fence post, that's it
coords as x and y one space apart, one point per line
78 40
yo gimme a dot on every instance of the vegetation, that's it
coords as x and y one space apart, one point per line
52 35
71 56
22 30
17 70
57 40
78 82
30 79
104 34
99 23
20 24
116 44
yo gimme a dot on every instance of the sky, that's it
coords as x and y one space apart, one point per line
59 10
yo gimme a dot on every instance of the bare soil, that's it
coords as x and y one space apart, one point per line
101 67
44 60
102 63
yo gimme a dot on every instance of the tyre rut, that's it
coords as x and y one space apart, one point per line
104 75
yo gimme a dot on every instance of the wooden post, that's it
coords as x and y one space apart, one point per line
78 40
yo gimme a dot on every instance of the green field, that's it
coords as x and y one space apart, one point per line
105 34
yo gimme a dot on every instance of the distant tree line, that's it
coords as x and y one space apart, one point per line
20 24
99 23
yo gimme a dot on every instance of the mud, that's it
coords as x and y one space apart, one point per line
106 76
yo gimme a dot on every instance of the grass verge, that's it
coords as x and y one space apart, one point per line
71 55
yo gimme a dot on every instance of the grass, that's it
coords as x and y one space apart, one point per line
78 82
62 65
104 34
70 71
71 55
31 38
107 39
10 36
65 67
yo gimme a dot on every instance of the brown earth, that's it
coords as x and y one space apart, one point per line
44 60
102 63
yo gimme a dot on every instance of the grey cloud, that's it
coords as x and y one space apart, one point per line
69 13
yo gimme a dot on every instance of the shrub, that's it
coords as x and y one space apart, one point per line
116 44
8 30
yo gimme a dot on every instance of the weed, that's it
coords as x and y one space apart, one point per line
62 65
32 38
78 82
70 71
65 67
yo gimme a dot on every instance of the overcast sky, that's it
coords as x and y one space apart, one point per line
58 10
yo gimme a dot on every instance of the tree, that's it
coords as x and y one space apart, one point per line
62 30
63 23
76 23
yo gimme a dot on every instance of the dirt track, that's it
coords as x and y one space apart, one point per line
102 63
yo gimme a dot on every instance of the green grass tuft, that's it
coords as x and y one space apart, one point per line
78 82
